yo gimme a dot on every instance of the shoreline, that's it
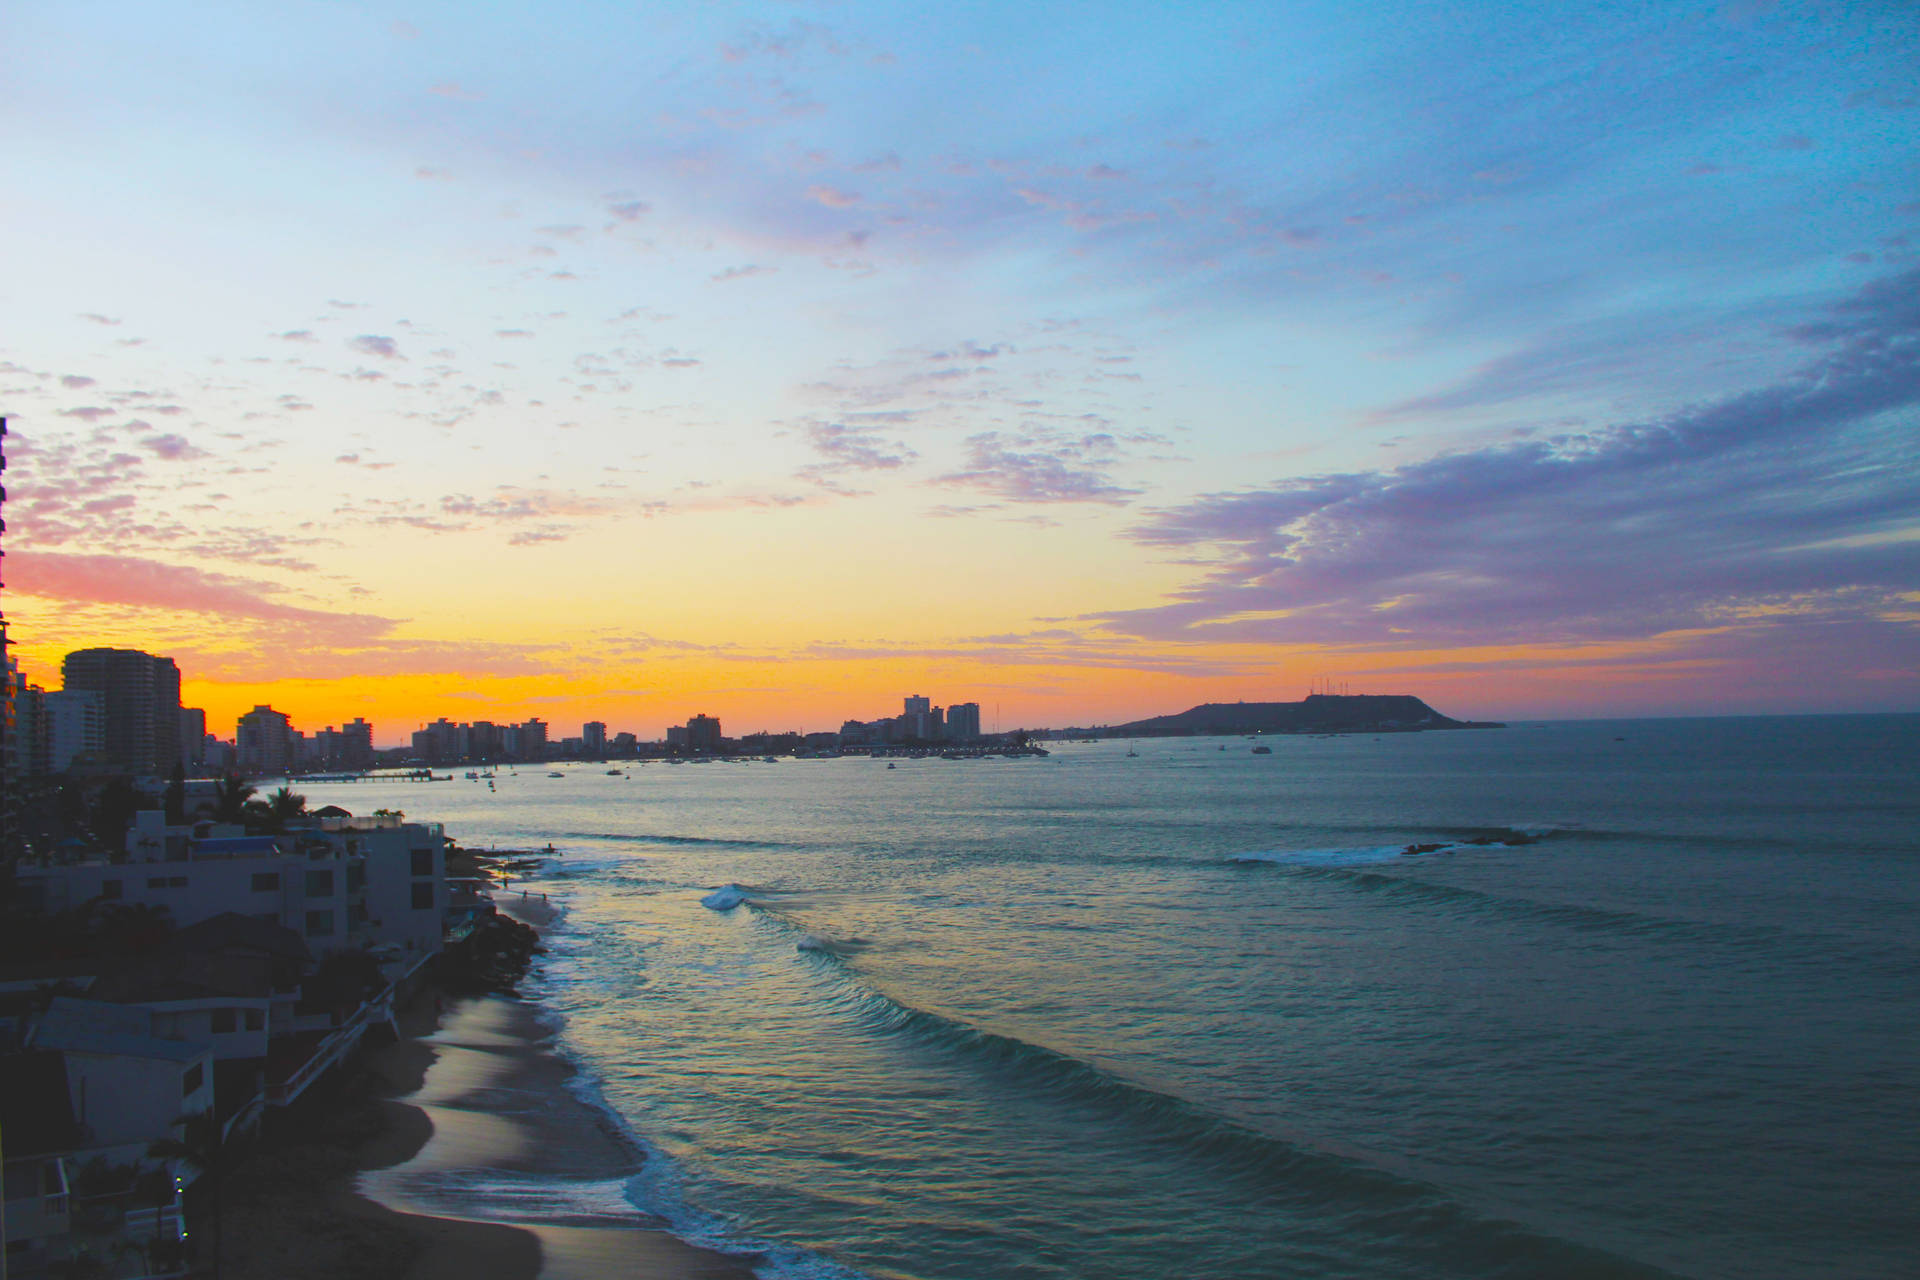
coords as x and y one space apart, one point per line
366 1178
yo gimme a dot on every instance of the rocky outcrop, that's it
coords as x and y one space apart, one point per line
1318 713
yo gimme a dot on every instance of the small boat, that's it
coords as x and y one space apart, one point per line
1133 755
556 774
615 773
1263 751
891 765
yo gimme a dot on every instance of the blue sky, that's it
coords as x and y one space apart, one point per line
371 300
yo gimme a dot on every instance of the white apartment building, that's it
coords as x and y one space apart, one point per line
354 882
76 722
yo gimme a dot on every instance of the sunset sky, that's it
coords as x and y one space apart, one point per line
626 361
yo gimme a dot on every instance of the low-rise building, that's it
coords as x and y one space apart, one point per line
342 884
128 1086
40 1137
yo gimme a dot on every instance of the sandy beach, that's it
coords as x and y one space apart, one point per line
496 1102
363 1179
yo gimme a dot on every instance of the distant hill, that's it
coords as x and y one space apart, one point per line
1318 713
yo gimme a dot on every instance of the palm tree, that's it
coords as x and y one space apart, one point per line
285 806
273 813
230 796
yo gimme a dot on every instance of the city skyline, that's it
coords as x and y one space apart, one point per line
590 364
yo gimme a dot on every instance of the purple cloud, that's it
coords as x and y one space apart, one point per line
845 449
1042 466
1795 502
374 344
172 447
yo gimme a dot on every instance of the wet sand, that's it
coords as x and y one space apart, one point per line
497 1110
287 1210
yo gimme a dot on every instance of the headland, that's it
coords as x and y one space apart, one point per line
1316 713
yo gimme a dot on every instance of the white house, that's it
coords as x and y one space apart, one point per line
126 1085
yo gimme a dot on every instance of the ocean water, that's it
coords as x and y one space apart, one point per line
1191 1012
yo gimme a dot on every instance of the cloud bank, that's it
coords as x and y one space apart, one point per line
1796 504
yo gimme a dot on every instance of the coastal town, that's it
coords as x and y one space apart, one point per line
195 964
190 969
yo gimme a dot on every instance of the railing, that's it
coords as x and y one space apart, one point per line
331 1049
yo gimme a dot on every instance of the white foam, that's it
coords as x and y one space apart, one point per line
725 898
1345 857
659 1188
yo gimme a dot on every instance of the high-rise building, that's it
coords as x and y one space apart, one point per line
141 694
483 740
356 744
29 744
917 705
193 732
963 721
593 737
703 733
533 740
264 741
76 725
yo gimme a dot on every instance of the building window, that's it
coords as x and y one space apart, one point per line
110 890
319 884
423 895
223 1021
319 924
166 882
266 881
423 862
255 1019
356 878
191 1081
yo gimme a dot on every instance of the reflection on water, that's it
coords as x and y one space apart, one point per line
1079 1036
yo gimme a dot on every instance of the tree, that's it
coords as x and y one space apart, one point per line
230 796
176 798
113 811
276 811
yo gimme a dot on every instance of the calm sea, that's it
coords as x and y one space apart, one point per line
1192 1013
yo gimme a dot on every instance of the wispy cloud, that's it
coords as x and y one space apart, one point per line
1042 466
374 344
845 449
832 197
1792 503
741 273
